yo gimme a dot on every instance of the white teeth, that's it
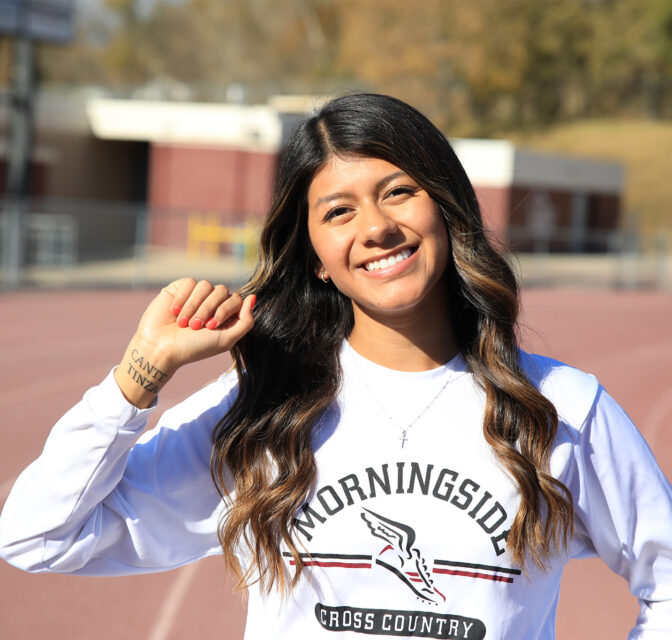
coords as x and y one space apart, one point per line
384 263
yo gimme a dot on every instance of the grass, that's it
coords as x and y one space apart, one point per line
644 147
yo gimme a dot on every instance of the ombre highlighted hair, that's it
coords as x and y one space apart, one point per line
288 364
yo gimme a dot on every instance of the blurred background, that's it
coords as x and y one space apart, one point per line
139 136
138 141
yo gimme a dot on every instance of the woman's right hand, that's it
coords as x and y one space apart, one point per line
188 321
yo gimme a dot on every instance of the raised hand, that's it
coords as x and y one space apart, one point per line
186 322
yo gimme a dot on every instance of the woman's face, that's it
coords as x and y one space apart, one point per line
377 234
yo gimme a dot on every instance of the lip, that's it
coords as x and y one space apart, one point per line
397 267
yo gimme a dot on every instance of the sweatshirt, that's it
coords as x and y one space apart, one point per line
404 532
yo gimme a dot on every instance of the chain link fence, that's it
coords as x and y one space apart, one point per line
74 243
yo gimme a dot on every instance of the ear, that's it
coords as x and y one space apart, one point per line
321 272
318 267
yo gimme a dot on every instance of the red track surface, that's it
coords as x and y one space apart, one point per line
56 344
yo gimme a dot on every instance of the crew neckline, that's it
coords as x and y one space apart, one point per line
455 366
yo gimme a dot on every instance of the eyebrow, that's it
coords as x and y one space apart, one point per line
345 194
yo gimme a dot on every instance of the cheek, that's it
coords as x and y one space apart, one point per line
318 249
331 250
316 245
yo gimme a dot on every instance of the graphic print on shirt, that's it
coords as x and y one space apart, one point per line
447 486
412 570
404 555
411 566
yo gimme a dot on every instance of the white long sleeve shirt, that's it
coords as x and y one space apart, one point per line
402 541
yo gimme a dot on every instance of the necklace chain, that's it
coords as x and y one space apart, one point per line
404 430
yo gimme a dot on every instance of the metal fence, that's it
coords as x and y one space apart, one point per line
68 243
596 258
75 243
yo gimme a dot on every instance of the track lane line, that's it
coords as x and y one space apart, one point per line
165 619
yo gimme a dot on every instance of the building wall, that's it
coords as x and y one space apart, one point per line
605 211
232 184
561 220
92 169
38 177
495 204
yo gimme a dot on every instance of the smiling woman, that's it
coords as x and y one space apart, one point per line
383 459
383 242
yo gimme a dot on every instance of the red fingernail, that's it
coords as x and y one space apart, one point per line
195 324
176 309
254 301
182 322
211 324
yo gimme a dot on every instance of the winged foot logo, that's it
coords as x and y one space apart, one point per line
403 559
411 567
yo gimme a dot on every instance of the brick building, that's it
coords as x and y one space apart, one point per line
179 159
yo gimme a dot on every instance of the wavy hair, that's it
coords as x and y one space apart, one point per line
288 364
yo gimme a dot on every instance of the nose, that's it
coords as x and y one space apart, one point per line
375 225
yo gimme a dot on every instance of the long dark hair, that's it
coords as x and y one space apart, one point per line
288 365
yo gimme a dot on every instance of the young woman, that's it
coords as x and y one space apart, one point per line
383 460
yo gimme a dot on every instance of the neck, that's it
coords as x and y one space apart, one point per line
417 341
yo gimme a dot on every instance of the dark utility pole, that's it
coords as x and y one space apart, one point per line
26 22
22 78
20 123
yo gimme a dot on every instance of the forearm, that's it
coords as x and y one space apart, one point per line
186 322
142 373
82 505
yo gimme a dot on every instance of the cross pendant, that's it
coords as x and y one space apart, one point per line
403 438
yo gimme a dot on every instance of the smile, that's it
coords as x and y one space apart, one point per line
390 261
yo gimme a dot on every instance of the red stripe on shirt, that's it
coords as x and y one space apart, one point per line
345 565
469 574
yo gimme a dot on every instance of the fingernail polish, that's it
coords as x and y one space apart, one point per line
211 324
176 309
182 322
196 324
254 301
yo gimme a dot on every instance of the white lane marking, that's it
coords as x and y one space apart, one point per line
165 619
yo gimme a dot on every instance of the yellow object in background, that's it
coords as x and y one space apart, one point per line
205 237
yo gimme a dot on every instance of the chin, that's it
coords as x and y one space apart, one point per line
391 307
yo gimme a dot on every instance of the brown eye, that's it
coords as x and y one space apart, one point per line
336 211
401 191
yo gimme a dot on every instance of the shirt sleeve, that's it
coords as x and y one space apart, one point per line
623 506
95 503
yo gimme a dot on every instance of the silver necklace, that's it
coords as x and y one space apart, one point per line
407 428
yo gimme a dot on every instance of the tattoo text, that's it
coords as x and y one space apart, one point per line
144 373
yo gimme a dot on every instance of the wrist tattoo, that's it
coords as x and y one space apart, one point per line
144 373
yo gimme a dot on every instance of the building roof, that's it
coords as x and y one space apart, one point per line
499 163
249 127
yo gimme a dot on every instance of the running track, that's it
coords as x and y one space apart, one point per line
56 344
